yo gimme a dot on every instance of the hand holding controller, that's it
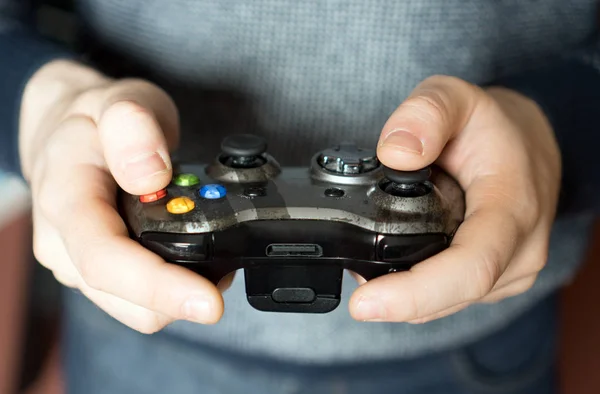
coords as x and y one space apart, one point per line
294 230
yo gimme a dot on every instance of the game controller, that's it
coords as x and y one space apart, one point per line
294 230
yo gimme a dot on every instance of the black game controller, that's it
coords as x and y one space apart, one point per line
294 230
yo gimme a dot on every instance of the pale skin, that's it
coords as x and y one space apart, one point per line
82 134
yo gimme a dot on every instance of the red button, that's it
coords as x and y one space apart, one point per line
153 196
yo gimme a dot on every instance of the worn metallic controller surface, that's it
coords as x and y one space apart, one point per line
294 230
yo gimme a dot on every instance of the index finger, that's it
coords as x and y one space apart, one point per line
98 243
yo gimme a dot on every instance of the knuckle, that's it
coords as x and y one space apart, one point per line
47 253
517 213
480 289
531 218
141 102
517 288
47 184
539 260
138 88
538 263
86 101
89 270
428 105
447 84
531 211
486 275
41 252
527 284
45 248
149 324
67 280
45 201
60 145
148 330
130 110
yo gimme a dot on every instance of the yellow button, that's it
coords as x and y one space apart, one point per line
180 205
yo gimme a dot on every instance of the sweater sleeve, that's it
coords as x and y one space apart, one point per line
568 91
23 52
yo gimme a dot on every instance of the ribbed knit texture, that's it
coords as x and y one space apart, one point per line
306 74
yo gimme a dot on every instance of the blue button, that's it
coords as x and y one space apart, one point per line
212 192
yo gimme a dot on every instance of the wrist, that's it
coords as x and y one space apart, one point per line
47 95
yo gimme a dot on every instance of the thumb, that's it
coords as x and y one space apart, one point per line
138 126
416 133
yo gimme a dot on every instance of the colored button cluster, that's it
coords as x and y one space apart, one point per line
181 204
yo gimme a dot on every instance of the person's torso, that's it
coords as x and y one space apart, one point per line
306 74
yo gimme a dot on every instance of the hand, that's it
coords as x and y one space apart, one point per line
81 134
501 149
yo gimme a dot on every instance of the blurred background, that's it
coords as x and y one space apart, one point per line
30 303
29 300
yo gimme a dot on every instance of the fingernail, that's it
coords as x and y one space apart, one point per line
370 309
197 309
145 166
403 140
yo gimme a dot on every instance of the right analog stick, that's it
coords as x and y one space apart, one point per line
407 177
406 183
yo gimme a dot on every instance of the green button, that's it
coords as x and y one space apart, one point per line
186 180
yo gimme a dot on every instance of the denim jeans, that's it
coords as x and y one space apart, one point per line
103 356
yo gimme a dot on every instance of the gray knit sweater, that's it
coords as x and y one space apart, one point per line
308 73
